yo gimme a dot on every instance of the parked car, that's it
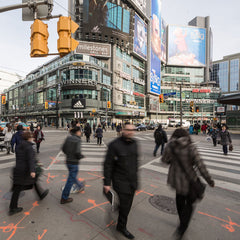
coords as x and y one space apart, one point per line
184 124
151 127
25 126
141 127
164 125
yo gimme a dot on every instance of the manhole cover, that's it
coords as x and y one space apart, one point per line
163 203
8 195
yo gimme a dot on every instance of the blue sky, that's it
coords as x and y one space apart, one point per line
15 34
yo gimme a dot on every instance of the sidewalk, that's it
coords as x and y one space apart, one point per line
89 217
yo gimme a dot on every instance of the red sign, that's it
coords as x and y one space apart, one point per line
201 90
138 94
195 90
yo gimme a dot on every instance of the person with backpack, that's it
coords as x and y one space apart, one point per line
16 138
160 139
72 149
185 162
7 131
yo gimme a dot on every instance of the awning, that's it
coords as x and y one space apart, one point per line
230 99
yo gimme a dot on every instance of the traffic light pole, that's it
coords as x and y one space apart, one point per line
181 105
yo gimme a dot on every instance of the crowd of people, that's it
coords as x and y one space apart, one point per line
120 166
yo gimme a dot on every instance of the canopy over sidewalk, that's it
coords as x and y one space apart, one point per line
231 99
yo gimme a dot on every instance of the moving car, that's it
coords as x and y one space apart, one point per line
151 127
184 124
164 125
141 127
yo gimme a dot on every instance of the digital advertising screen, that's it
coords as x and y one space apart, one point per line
163 41
105 17
140 37
186 46
155 75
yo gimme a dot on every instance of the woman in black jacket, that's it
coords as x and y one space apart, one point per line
24 173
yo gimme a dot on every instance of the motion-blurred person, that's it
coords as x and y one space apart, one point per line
24 173
31 127
214 134
94 127
184 160
16 138
7 131
204 128
72 149
88 132
119 129
38 137
99 134
120 170
160 137
225 139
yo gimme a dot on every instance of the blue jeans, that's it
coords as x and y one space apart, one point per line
72 178
157 147
225 149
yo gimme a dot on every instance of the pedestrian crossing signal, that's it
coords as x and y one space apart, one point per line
161 99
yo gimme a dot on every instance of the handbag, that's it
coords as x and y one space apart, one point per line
230 147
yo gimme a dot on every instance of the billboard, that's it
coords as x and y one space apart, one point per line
186 46
163 41
105 18
155 75
141 5
140 37
94 49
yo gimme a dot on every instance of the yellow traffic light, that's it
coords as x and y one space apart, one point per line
46 105
108 104
161 99
3 99
66 43
39 39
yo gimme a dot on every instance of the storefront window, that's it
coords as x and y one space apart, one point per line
139 88
126 84
76 93
51 94
139 101
40 98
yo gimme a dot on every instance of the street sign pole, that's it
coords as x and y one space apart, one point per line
181 105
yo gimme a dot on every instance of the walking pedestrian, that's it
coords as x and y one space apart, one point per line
160 137
31 127
120 170
72 150
184 160
38 137
204 128
94 127
119 129
214 134
88 132
16 138
24 173
225 139
99 134
7 131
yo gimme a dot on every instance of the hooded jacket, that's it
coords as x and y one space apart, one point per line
72 149
183 150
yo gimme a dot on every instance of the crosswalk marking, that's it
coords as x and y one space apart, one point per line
213 158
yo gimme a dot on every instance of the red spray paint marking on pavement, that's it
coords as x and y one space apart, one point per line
11 228
105 236
153 186
143 231
50 177
41 236
229 223
232 211
96 175
141 191
94 206
112 223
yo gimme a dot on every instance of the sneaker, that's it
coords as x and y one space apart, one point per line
14 211
44 194
63 201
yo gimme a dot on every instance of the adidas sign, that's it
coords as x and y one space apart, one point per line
78 104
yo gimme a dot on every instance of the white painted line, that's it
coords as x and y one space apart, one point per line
222 165
219 151
97 160
226 185
94 153
56 158
7 157
226 157
205 158
63 167
7 165
99 149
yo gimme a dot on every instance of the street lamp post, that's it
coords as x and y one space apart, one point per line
181 105
57 105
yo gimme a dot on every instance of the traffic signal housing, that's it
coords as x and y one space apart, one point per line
3 99
161 99
191 109
197 109
65 27
108 104
39 39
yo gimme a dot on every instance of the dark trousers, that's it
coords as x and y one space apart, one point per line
157 147
99 140
16 191
214 142
225 149
88 138
185 210
38 146
125 204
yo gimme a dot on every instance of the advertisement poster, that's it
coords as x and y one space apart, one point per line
155 78
140 37
186 46
163 41
105 17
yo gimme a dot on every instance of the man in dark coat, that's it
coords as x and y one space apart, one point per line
160 139
120 169
225 139
17 138
38 137
88 132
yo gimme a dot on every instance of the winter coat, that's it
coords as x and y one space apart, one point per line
25 164
72 149
121 165
8 135
225 138
31 128
186 152
214 133
88 131
16 139
36 139
99 132
163 136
